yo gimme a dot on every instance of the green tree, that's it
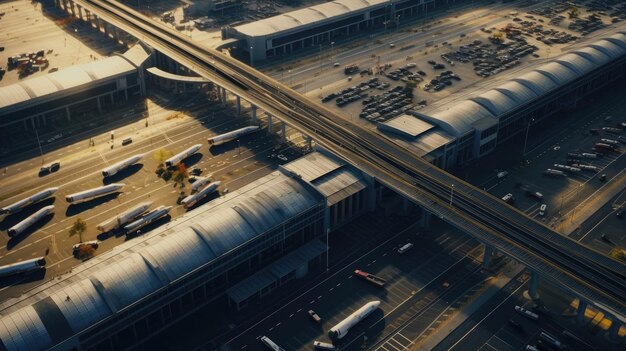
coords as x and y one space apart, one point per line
79 227
618 253
180 175
162 154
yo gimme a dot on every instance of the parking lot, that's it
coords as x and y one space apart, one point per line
440 59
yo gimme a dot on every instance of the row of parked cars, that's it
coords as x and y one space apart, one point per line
392 103
441 81
355 93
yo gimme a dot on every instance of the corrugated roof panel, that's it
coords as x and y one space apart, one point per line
611 48
23 330
39 86
538 82
178 254
496 102
558 72
12 94
71 77
313 166
126 281
407 125
592 54
224 230
457 120
577 63
81 305
110 67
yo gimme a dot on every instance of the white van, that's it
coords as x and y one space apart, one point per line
542 209
406 247
324 346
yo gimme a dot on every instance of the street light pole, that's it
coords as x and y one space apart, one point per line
327 248
251 56
238 147
39 143
526 138
451 193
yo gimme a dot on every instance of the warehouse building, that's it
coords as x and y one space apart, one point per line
321 25
234 249
453 132
70 92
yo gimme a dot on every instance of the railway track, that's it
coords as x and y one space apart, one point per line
475 210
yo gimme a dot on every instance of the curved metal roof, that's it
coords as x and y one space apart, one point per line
537 82
576 62
81 305
594 55
66 78
120 277
303 17
23 330
458 119
176 255
558 72
125 282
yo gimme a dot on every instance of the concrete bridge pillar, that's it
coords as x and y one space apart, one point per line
487 256
224 96
80 12
69 115
253 108
580 315
72 10
238 105
613 333
284 132
64 7
425 220
406 206
269 122
532 288
103 25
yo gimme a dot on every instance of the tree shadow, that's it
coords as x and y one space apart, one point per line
125 173
75 209
14 219
14 240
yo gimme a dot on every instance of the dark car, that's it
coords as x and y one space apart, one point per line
432 62
421 73
195 171
127 141
515 325
439 66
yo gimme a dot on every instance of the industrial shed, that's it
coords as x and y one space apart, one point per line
481 122
264 234
319 26
69 92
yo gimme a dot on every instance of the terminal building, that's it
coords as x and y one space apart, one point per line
455 131
71 92
321 25
232 250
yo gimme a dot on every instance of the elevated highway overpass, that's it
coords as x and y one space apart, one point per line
592 276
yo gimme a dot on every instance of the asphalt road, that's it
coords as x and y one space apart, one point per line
489 328
548 144
412 278
230 163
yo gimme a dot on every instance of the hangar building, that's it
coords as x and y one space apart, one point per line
453 132
234 249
